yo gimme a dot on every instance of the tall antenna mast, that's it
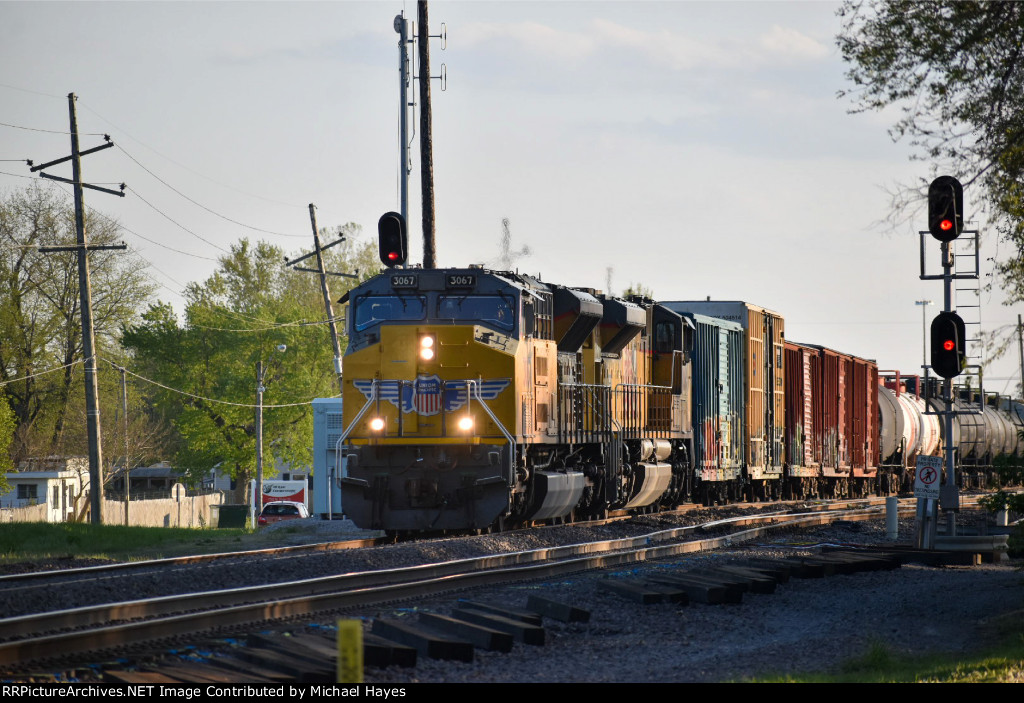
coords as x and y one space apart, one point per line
401 26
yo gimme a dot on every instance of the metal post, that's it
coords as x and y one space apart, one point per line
924 334
950 493
403 81
892 517
1020 351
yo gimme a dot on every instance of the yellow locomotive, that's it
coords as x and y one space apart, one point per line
477 399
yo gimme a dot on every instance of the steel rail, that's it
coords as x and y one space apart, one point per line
90 630
69 575
91 571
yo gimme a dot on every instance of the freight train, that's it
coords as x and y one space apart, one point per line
478 400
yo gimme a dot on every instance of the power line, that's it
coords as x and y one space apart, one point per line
200 205
17 175
190 170
301 323
120 225
34 92
200 397
41 373
49 131
176 223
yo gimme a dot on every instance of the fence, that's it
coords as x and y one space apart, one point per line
189 511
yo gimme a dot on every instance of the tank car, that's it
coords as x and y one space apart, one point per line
908 428
984 434
476 399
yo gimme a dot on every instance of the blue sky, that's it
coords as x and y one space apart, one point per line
696 147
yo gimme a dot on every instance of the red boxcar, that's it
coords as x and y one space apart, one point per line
831 422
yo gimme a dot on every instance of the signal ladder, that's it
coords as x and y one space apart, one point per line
967 291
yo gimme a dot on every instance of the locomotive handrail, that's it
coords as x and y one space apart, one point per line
474 385
605 417
343 436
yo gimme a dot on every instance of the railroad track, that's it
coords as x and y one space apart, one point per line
62 637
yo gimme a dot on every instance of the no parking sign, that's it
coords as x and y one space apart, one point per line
928 477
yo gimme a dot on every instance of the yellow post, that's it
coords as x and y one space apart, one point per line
350 651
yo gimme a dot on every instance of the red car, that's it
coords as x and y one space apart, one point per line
281 510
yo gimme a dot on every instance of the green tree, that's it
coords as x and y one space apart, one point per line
638 289
7 426
955 70
40 318
235 319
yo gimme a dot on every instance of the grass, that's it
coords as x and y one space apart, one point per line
1002 663
30 541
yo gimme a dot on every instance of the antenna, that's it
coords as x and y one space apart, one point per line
507 257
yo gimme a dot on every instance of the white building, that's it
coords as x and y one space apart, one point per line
57 482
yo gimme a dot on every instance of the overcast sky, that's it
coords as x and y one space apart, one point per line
697 148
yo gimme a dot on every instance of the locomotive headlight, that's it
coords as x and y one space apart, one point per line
377 424
427 347
465 423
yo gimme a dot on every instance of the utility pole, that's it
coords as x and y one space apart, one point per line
327 297
127 466
257 498
261 372
426 145
82 247
318 253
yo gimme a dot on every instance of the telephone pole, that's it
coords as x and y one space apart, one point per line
426 144
318 253
82 247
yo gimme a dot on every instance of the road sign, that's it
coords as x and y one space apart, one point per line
928 477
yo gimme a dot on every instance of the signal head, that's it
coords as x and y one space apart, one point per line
948 349
945 208
391 239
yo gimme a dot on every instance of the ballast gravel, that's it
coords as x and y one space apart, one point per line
807 625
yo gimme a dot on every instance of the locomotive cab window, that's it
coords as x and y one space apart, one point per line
491 310
666 337
373 309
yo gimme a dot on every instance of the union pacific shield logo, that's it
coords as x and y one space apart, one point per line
428 395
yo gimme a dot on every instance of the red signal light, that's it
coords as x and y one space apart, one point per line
393 255
946 225
948 345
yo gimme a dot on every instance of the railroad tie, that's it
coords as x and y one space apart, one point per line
521 631
278 658
429 644
527 616
381 652
755 582
478 635
556 610
700 590
640 591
